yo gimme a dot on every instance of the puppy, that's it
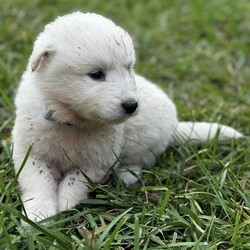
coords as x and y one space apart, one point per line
82 110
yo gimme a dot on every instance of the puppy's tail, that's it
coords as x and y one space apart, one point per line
198 132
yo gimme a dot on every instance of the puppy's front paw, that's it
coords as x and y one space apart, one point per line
71 190
39 211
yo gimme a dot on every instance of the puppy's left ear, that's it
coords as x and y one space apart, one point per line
41 56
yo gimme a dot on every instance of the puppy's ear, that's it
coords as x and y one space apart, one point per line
41 56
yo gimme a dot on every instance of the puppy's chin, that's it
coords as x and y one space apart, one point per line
114 120
113 117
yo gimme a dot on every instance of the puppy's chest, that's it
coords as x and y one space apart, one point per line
73 148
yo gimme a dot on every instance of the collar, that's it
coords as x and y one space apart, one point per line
49 115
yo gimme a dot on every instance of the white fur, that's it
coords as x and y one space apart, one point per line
100 135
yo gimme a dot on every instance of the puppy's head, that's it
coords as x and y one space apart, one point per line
85 62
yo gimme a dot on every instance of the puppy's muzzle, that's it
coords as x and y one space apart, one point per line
130 106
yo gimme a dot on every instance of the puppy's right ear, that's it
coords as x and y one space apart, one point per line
41 57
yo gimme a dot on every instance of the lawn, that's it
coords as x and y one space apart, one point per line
196 197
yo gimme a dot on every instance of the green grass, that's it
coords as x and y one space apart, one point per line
195 198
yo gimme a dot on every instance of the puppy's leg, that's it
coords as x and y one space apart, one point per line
39 190
129 174
72 189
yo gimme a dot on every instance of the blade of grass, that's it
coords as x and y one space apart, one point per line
236 227
137 234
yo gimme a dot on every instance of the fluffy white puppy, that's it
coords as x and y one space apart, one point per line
77 107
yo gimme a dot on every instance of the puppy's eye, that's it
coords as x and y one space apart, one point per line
97 75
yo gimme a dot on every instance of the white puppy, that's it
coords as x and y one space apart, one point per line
73 106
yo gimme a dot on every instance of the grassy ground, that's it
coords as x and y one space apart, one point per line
195 198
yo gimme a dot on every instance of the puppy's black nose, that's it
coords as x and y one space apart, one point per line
130 106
